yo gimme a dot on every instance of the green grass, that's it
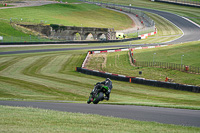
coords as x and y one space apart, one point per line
18 119
192 13
52 76
65 14
70 15
119 63
172 54
7 30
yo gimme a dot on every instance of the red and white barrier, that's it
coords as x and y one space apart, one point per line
144 36
109 51
86 58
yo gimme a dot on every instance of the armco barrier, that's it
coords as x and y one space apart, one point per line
155 83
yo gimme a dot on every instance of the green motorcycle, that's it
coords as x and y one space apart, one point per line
97 94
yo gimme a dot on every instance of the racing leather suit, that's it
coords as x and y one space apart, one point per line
107 83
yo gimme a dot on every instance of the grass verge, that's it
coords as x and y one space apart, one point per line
18 119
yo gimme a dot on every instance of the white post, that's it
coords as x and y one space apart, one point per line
181 59
153 58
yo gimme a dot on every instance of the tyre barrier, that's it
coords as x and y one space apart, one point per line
143 81
102 74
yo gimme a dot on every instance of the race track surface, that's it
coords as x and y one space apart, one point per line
191 30
142 113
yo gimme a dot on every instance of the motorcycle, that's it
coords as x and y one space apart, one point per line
97 94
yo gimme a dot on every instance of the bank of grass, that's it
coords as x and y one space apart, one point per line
71 15
119 63
165 33
193 13
18 119
7 30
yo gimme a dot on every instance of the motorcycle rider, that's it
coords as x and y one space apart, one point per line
107 83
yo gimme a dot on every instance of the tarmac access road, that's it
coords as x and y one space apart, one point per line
142 113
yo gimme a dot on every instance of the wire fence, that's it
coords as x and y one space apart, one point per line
166 65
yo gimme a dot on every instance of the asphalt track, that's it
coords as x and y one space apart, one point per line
191 31
67 49
142 113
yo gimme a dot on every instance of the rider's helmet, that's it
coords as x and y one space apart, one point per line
107 79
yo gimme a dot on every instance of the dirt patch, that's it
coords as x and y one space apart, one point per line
130 59
96 61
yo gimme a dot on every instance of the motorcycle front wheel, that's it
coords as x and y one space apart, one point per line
99 98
